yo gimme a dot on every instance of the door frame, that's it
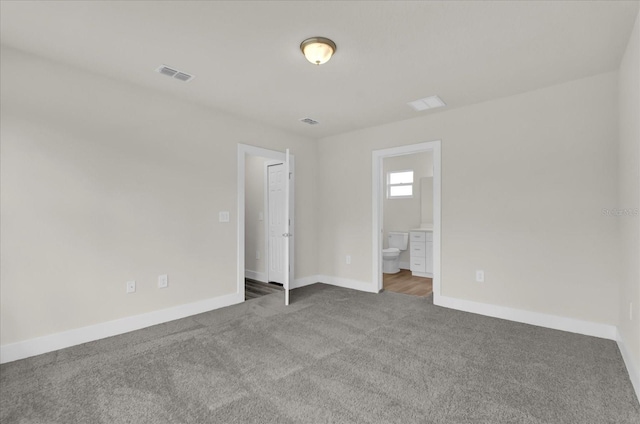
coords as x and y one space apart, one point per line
377 211
243 151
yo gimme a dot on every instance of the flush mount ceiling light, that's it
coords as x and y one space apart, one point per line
427 103
318 50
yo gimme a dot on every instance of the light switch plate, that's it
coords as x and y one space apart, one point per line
223 216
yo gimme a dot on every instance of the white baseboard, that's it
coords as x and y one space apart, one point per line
32 347
346 283
20 350
255 275
632 368
365 286
571 325
305 281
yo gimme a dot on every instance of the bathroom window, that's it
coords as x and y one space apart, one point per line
400 184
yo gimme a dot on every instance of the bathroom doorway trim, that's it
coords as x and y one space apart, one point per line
377 193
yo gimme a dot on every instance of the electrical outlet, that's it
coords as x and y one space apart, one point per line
131 286
480 276
257 254
163 281
261 216
223 216
348 259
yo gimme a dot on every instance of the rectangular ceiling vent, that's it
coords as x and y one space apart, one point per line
309 121
427 103
174 73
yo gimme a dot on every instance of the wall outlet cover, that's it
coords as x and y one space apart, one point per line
131 286
163 281
480 276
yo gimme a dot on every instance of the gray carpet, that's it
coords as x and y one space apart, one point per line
332 356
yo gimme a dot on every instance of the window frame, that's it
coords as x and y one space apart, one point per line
411 184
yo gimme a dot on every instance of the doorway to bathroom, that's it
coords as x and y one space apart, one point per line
406 219
265 222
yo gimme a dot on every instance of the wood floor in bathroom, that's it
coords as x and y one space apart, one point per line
404 282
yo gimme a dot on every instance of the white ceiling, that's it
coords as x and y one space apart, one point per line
246 57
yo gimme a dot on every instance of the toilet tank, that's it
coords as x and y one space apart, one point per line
398 240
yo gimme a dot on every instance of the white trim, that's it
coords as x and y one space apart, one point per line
632 368
305 281
571 325
255 275
32 347
348 283
243 151
287 227
376 196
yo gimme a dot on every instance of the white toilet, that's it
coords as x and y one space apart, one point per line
391 256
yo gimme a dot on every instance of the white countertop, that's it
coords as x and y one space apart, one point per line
422 229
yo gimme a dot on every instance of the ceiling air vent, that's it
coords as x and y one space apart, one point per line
309 121
174 73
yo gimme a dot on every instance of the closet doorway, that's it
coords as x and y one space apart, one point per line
265 222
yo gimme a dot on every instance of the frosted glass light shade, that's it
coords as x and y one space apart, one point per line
318 50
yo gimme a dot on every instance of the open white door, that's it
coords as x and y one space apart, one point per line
276 177
287 224
286 227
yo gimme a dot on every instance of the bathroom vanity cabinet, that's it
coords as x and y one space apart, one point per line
421 251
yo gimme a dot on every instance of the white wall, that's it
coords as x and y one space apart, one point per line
104 182
254 226
629 196
524 180
404 214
